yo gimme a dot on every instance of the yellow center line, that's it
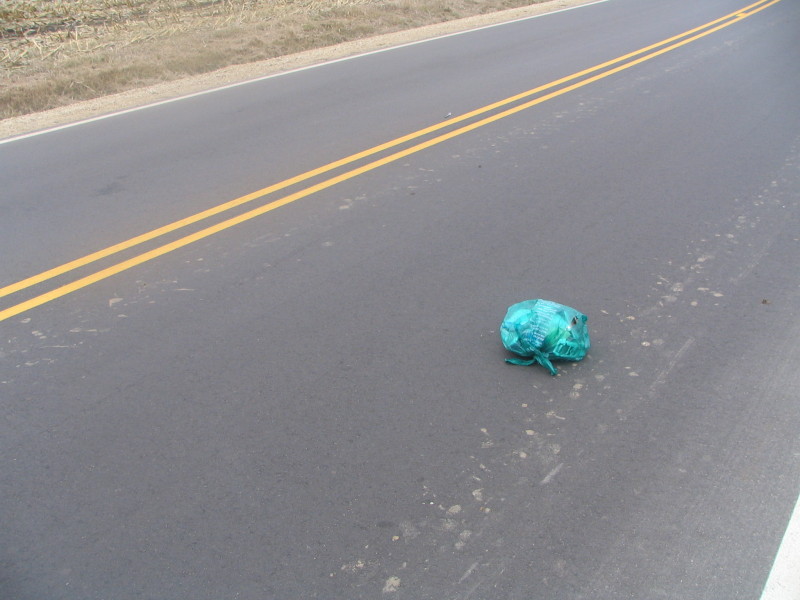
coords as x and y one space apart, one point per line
185 222
749 11
704 30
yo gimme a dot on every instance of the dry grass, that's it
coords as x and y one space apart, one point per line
55 52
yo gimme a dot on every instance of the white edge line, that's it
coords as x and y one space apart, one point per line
273 75
783 582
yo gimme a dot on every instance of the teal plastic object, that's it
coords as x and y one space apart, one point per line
541 331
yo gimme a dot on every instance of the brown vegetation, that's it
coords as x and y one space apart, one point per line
56 52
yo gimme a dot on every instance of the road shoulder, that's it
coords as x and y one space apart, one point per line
236 74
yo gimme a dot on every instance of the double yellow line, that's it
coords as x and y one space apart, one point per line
471 121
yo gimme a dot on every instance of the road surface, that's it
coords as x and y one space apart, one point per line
250 339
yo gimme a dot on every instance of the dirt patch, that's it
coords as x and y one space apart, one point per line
138 94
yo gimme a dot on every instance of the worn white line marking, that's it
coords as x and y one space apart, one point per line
549 477
662 376
469 572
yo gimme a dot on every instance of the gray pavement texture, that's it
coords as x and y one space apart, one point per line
314 404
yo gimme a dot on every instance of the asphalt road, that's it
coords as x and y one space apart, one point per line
313 403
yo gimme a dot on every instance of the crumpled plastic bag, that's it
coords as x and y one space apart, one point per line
541 331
